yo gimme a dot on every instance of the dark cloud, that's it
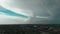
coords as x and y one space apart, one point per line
45 8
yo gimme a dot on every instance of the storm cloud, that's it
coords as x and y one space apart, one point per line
41 8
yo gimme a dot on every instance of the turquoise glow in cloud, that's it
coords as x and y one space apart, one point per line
11 13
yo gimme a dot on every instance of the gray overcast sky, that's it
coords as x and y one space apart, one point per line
46 8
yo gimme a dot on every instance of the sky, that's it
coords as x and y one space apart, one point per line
43 11
10 17
11 13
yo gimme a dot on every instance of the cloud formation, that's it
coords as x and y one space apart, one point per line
6 19
48 8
